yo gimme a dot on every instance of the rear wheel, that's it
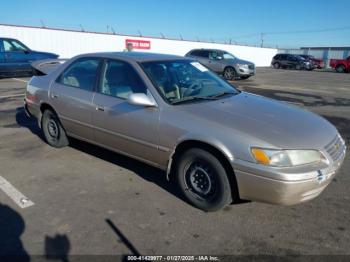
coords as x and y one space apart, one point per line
203 180
230 73
340 68
276 65
53 131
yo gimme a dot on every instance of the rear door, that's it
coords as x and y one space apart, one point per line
130 129
71 96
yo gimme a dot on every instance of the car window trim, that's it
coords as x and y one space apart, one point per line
160 93
58 79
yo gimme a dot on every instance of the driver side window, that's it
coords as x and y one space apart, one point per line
13 46
215 55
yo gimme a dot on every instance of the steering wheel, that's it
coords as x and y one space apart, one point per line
192 88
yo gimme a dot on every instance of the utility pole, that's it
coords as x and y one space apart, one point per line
262 39
42 23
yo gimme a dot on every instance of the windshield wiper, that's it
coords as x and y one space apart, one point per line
193 98
223 94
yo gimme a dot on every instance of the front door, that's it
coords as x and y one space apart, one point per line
215 61
71 96
16 56
118 125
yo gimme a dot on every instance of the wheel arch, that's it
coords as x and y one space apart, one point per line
219 151
44 106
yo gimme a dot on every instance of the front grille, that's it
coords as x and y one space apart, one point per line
251 66
335 148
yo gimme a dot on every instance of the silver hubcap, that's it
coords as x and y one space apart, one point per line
199 179
52 128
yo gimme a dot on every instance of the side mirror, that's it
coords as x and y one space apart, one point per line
140 99
26 51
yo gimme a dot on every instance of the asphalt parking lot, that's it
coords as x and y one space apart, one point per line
88 200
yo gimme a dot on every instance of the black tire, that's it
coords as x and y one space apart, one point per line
230 73
244 77
276 65
340 68
203 180
54 133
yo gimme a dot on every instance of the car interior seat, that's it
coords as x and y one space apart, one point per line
161 77
115 82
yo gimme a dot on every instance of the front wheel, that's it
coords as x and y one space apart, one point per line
203 180
53 131
230 73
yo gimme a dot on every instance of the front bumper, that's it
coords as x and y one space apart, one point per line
243 71
283 187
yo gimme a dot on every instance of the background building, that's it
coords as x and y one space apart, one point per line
68 43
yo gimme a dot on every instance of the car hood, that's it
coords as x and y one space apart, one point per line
240 61
278 124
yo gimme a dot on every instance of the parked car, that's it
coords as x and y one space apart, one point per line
340 65
223 63
291 61
319 63
15 57
218 143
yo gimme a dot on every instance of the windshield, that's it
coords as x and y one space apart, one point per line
228 56
185 80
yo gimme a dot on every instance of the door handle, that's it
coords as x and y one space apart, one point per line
54 96
100 108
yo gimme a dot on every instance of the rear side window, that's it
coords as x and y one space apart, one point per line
200 53
81 74
119 79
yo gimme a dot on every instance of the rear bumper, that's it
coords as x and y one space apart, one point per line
293 189
26 110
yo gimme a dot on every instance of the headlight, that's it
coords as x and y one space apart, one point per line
242 65
286 158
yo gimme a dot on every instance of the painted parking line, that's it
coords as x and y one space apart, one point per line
10 96
21 80
20 199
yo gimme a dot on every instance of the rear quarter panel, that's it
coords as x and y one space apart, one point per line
37 93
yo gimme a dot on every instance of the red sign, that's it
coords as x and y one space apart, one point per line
138 44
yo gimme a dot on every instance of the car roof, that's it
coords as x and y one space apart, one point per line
8 38
207 49
135 56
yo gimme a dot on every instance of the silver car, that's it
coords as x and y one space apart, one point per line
223 63
218 143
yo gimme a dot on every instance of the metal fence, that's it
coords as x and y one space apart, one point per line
324 53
